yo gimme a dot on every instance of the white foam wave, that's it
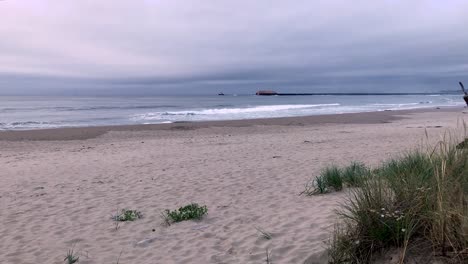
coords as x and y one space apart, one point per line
27 125
229 113
256 109
396 105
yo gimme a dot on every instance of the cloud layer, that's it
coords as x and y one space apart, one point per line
186 45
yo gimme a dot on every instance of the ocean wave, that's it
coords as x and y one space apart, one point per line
87 108
120 107
27 125
231 111
255 109
397 105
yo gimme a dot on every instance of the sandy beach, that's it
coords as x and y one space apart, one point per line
60 187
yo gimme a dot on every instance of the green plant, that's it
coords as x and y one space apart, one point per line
331 177
127 215
70 258
417 199
315 186
188 212
354 174
320 185
343 246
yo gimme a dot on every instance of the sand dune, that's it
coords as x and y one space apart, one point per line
55 195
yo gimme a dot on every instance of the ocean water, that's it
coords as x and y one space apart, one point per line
20 113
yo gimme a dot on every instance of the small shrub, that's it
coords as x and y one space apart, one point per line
188 212
127 215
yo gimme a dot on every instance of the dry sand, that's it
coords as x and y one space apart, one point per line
57 193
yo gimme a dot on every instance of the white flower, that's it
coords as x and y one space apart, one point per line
403 230
382 216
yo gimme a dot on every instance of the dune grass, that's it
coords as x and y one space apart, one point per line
354 173
333 178
329 179
416 203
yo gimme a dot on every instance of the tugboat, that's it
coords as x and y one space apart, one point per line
221 93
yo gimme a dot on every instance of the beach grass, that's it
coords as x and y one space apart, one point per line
353 174
416 203
334 178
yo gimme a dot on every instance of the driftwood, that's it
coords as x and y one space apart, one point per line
465 97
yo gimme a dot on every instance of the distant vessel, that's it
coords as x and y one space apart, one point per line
266 92
221 93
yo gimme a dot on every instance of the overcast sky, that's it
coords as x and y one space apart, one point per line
196 46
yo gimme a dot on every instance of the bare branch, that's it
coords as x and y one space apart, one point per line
463 88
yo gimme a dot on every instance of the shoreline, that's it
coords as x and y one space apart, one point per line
89 132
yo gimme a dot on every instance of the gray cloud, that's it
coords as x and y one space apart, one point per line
193 46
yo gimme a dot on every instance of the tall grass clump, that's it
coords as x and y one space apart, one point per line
354 174
333 178
416 203
328 180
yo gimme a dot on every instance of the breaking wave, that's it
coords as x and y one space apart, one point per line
231 113
27 125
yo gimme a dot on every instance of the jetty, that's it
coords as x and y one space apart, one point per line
271 92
